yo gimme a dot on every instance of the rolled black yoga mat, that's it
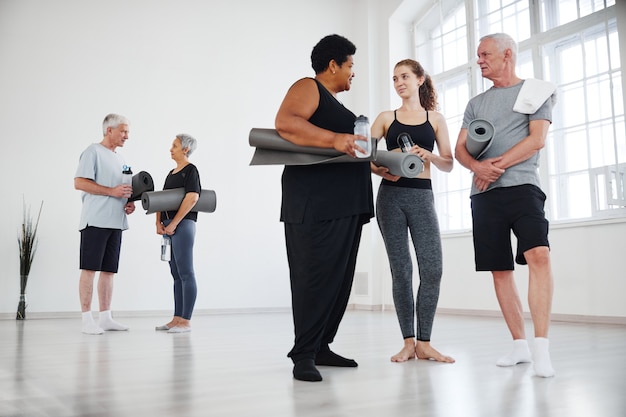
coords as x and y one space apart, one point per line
141 183
272 149
169 200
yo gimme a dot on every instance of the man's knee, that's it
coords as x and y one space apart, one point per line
538 256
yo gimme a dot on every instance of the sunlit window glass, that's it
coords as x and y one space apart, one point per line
584 161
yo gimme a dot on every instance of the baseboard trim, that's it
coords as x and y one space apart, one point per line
568 318
147 313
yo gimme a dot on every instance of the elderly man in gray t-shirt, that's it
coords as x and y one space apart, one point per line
506 196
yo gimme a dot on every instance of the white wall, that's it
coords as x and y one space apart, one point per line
587 263
214 70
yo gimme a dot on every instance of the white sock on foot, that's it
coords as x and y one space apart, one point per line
89 325
541 358
107 322
519 354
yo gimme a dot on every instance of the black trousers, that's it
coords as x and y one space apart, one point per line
322 259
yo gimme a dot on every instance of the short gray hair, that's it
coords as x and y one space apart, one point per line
113 120
187 142
503 41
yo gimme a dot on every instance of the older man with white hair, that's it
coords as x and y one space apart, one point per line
506 196
103 218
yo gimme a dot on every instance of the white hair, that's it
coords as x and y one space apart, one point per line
503 42
113 120
187 142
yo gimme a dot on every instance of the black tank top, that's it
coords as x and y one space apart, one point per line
328 191
422 135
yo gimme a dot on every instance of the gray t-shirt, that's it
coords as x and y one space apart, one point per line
105 168
496 106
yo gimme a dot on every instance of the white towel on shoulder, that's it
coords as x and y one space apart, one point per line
533 94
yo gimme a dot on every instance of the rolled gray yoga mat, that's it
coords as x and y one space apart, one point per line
479 135
272 149
169 200
402 164
141 183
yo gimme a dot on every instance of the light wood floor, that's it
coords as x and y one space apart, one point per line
235 365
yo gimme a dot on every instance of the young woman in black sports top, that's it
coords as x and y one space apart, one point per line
407 204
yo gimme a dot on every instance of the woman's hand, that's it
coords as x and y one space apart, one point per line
160 229
383 172
345 142
424 154
170 229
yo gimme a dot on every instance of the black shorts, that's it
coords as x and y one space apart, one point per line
496 213
100 249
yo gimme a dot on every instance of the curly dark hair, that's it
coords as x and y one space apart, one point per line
331 47
428 95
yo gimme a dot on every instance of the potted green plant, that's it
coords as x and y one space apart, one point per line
27 241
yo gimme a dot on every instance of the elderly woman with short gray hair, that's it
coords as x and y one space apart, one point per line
180 226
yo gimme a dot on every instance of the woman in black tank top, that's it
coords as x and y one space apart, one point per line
405 204
323 207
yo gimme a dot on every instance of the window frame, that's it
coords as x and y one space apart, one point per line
533 48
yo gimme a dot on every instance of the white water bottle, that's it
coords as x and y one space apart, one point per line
166 248
127 175
362 128
127 178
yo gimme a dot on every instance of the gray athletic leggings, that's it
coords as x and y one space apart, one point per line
399 209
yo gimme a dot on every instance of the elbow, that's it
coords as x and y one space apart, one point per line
456 154
449 166
541 143
280 125
282 132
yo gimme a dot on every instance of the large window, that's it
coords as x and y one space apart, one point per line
572 43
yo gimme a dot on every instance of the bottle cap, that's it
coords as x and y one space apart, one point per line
362 118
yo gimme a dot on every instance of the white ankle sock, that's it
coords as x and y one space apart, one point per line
541 358
89 325
87 317
519 354
107 322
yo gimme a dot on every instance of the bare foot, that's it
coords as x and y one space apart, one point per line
183 322
178 322
424 350
407 352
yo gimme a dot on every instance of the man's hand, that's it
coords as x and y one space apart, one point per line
129 208
122 191
486 172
